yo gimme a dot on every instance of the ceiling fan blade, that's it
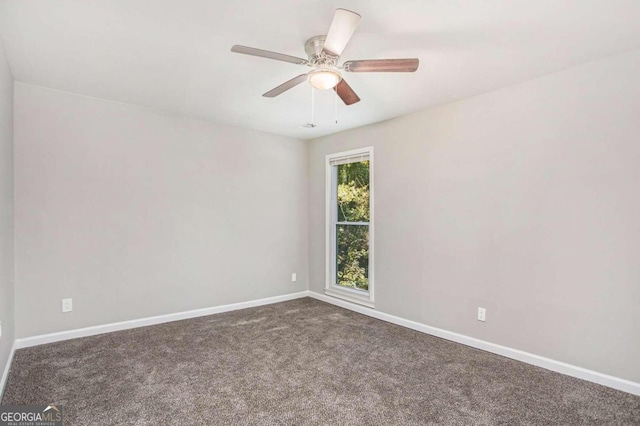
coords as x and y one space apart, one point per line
382 65
346 93
285 86
342 27
267 54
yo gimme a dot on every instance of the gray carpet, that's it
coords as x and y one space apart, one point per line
302 362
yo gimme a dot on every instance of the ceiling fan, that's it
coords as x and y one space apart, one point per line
324 52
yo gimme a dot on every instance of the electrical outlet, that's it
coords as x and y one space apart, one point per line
67 305
294 277
482 314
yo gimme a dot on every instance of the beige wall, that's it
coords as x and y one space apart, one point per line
6 212
524 201
133 213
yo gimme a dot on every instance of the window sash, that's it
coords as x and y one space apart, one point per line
334 282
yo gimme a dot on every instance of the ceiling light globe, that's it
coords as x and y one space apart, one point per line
324 79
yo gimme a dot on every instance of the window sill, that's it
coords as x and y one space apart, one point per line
350 297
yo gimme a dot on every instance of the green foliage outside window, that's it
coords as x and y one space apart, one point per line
353 240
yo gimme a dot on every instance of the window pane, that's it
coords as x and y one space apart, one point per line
353 192
352 256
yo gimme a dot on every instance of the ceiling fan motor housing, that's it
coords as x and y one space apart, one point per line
313 47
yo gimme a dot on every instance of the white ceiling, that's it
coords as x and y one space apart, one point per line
174 55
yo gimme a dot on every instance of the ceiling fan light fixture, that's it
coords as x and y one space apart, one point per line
324 79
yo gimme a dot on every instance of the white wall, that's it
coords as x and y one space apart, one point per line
525 201
133 213
7 299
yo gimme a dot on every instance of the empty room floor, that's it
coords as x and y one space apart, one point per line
299 362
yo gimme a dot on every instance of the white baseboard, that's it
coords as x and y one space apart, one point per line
7 367
529 358
143 322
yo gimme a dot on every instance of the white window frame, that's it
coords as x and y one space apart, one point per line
361 297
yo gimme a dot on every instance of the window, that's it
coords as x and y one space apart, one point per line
349 177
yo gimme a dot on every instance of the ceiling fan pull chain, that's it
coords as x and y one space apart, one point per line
313 98
335 105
